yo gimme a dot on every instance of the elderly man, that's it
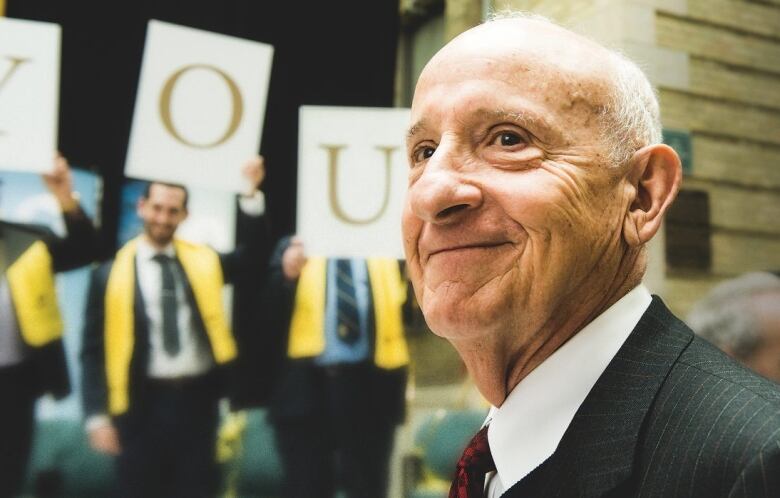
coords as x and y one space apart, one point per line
536 180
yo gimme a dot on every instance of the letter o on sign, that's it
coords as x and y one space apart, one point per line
165 106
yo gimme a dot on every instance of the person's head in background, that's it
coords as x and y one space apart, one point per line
162 207
742 317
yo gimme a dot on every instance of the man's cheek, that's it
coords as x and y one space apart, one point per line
416 276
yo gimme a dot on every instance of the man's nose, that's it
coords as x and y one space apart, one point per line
163 217
442 194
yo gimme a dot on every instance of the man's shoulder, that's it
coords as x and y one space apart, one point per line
102 269
710 420
710 399
705 387
698 365
194 247
708 385
189 243
702 360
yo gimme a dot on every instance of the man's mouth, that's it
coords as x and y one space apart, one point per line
470 247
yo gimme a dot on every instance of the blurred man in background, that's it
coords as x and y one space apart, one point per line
742 317
341 392
158 348
32 358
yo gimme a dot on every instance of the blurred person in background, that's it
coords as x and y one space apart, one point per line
341 391
742 317
158 349
32 357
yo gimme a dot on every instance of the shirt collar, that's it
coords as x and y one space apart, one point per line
147 251
528 426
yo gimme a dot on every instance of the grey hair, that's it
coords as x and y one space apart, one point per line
632 117
724 317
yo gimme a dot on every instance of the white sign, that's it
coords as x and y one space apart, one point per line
29 94
352 176
200 107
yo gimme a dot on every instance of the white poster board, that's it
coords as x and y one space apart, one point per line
199 108
29 94
352 176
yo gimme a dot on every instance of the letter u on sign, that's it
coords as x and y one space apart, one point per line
333 176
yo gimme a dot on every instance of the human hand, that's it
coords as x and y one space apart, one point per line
105 439
60 183
293 259
254 172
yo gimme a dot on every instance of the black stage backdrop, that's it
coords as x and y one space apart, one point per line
325 53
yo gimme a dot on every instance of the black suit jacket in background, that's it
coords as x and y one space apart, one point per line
671 416
294 387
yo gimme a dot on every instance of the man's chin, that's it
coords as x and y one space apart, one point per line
458 321
160 239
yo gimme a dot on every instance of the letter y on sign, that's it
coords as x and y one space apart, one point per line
29 94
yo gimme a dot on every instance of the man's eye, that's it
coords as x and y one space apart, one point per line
423 153
508 139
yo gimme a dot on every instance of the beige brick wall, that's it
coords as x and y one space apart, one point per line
732 110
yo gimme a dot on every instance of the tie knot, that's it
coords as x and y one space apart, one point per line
475 462
477 457
163 259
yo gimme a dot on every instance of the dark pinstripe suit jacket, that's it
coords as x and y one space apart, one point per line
670 416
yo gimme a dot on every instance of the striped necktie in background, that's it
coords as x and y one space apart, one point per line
170 306
348 327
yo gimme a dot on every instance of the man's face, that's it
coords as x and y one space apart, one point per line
513 214
162 212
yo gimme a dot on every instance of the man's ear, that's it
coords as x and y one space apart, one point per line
656 173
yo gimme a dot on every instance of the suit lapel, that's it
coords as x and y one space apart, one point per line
595 456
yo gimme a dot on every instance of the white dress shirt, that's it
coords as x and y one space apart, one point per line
193 357
529 425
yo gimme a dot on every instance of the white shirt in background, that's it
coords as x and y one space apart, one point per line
193 357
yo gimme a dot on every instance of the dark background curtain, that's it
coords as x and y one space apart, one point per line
326 53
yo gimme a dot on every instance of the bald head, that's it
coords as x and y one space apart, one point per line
531 37
604 86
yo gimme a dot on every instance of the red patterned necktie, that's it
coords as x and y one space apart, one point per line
475 462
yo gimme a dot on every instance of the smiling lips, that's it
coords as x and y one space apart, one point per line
463 248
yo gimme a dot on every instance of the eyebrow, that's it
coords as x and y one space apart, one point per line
535 123
525 119
416 128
